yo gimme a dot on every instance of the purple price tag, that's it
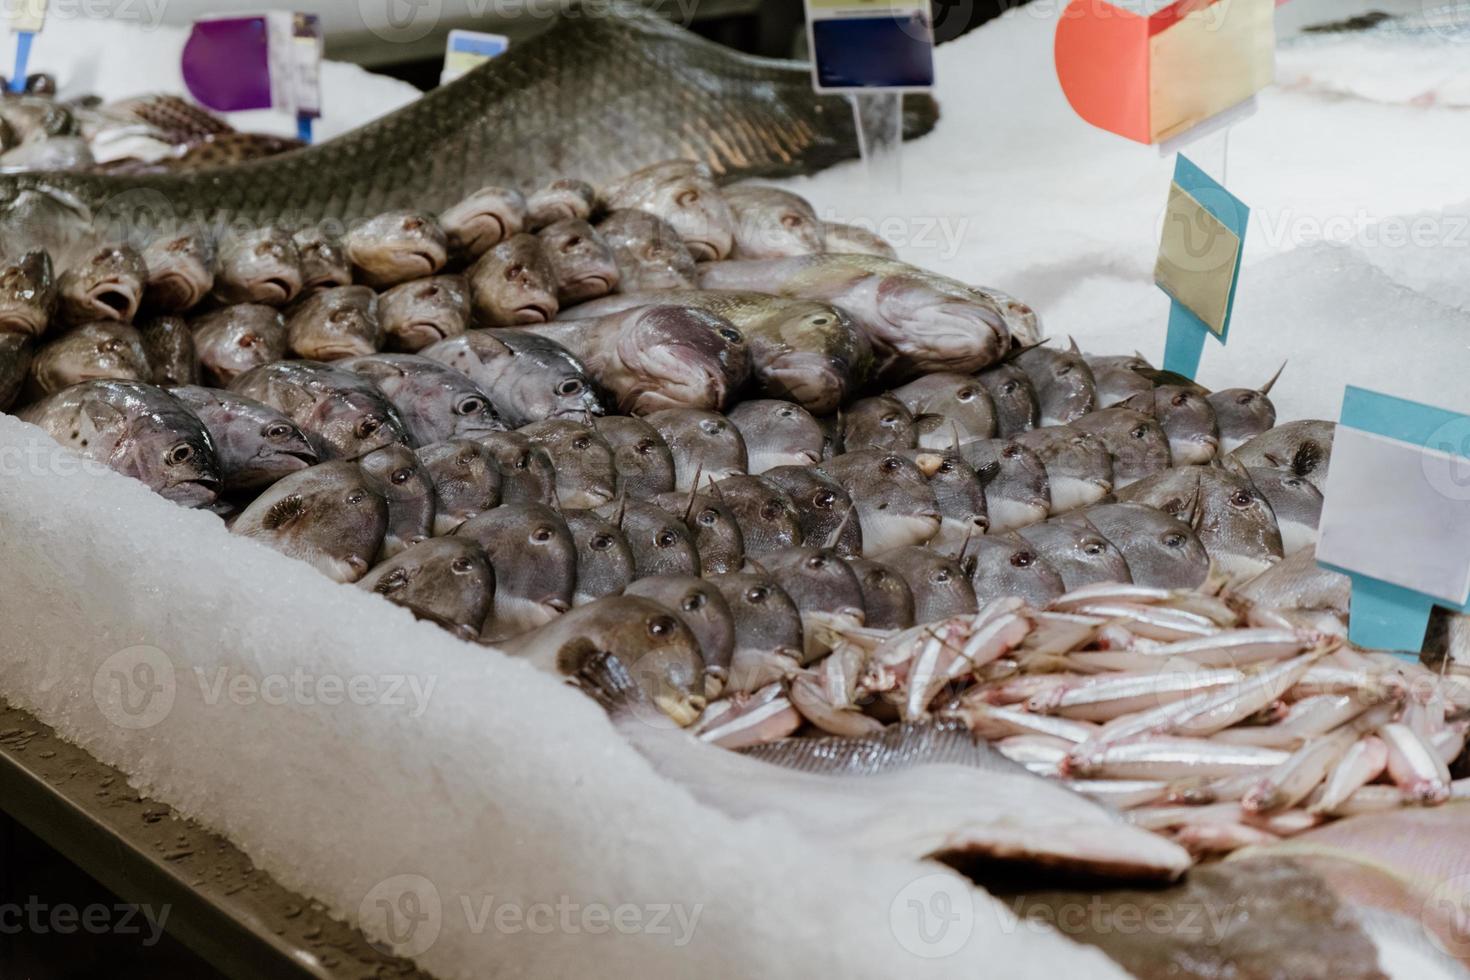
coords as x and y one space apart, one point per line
226 64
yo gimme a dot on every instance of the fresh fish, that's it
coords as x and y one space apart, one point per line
586 476
777 433
659 357
702 608
415 314
1064 385
466 482
169 344
1079 468
888 602
514 284
1017 488
938 584
323 259
105 284
825 510
604 557
445 580
1161 551
1298 582
561 200
1117 377
526 472
916 322
684 194
1170 757
582 261
535 563
649 252
960 495
28 294
255 444
661 543
180 268
1304 448
328 516
963 404
773 224
137 430
344 416
1078 551
331 324
768 632
407 486
1189 419
1231 517
479 221
435 402
15 366
1008 565
841 239
528 378
1017 409
706 446
717 535
395 247
767 515
92 352
895 505
644 465
880 422
1138 443
1244 413
232 340
826 591
258 266
1296 503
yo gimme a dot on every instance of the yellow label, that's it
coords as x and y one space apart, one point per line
1211 60
1197 257
27 15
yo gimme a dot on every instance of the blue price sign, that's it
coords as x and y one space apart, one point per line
871 45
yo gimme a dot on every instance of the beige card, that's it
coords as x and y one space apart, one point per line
1197 258
1213 58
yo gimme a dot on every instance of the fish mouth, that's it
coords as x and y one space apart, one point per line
319 283
1008 515
812 381
419 263
199 492
175 290
589 287
339 350
421 333
679 377
113 300
23 322
483 232
704 251
585 498
535 313
273 290
954 337
684 711
1071 492
1193 452
884 531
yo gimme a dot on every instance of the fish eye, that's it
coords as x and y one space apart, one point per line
757 594
791 220
1063 370
711 426
265 248
1139 432
181 453
687 198
660 626
771 510
466 459
1292 482
940 576
1241 498
785 412
601 542
693 602
581 443
1180 400
462 566
890 419
1174 540
248 340
1007 387
368 426
541 535
665 538
1023 559
947 466
428 292
571 243
1245 398
965 394
890 464
707 517
644 447
514 272
821 321
392 582
470 406
816 562
412 223
733 336
1092 548
401 476
356 497
111 346
277 430
824 499
1011 452
571 386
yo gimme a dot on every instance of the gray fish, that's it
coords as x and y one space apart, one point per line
702 608
659 357
777 433
716 532
1008 565
1017 488
963 405
400 476
478 222
684 194
395 247
435 402
766 514
323 259
582 261
939 585
649 252
1078 551
960 494
92 352
528 378
255 444
585 474
768 631
826 511
826 591
421 312
771 223
514 284
466 482
894 502
1064 385
1079 467
328 516
332 324
15 366
1296 503
1117 378
1298 582
535 563
1162 552
232 340
661 543
706 446
1188 418
1244 413
527 475
841 239
180 268
169 344
105 284
28 294
445 580
561 200
644 465
344 416
1017 408
888 602
1230 516
258 266
1138 443
880 422
138 430
1303 447
604 557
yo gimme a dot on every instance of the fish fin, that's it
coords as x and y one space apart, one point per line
693 492
1020 349
988 473
836 534
1072 344
1308 457
283 512
606 679
622 507
1265 389
1274 460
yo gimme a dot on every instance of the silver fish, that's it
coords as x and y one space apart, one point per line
1009 565
772 224
258 266
407 487
1295 502
701 607
255 444
938 584
1303 447
838 238
586 476
888 602
963 404
526 472
768 632
1017 408
1079 467
960 494
1079 553
715 530
535 563
661 543
895 505
880 422
1117 377
705 445
1161 551
583 262
94 351
604 558
103 284
644 465
445 580
649 252
1188 418
344 416
435 402
513 284
528 378
1231 517
329 516
1244 413
767 515
1138 443
1017 488
826 591
777 433
466 482
28 294
826 511
1064 385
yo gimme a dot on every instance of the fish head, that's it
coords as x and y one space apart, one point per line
1241 414
94 351
715 528
1189 419
260 266
682 357
649 252
1017 408
959 492
685 195
706 446
827 513
256 444
1017 487
27 294
773 224
818 581
642 458
1064 384
766 619
395 247
888 601
543 381
1162 551
937 330
405 483
822 357
171 451
767 515
533 555
894 502
561 200
351 417
330 514
324 262
1296 503
583 261
180 269
1138 443
880 422
104 283
701 607
238 338
662 544
477 223
514 283
1234 520
423 312
445 580
777 433
586 476
949 409
466 481
1078 465
332 324
1003 565
604 558
527 473
939 585
445 402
